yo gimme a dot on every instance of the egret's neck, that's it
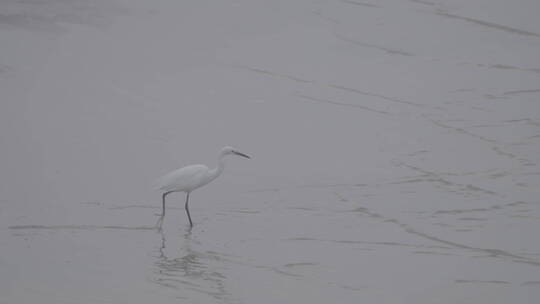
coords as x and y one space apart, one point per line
219 169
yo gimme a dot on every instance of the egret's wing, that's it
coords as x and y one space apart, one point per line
183 179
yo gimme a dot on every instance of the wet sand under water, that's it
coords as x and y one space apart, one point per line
312 244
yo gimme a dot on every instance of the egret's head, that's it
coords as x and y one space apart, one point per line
232 151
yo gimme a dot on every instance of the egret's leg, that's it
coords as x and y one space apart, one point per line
187 210
159 223
163 199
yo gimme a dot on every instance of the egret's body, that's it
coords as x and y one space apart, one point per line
189 178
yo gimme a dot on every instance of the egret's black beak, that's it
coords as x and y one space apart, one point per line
241 154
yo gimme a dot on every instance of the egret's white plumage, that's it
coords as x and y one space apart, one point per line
186 179
189 178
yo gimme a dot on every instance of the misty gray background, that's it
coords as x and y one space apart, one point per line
395 151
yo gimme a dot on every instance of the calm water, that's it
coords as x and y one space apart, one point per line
395 151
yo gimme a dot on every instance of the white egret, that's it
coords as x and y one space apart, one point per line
189 178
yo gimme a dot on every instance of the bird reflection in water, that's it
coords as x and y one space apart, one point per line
179 266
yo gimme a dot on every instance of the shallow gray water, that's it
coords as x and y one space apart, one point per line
395 151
